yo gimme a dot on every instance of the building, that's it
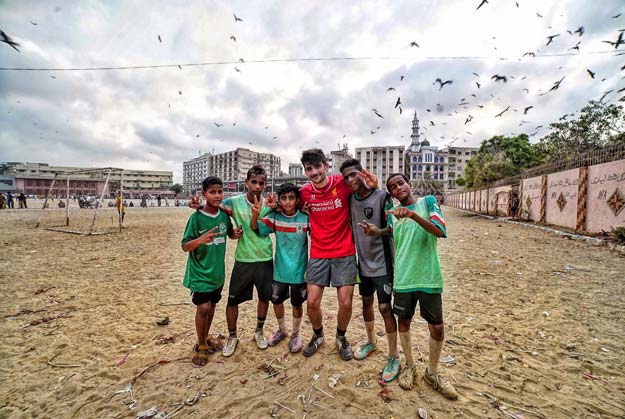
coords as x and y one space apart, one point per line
7 184
458 157
337 157
36 179
231 167
381 160
425 161
296 170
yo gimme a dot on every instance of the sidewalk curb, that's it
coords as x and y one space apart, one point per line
620 249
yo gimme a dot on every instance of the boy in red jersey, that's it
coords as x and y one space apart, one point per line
332 254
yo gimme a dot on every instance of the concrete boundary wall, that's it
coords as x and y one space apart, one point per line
588 199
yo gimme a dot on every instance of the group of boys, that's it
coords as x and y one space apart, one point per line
345 215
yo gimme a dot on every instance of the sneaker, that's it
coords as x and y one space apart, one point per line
261 342
391 369
313 345
363 350
440 384
345 351
276 338
406 377
295 345
230 346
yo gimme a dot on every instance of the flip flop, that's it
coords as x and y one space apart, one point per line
200 357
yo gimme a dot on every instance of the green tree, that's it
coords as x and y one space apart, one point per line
597 126
177 189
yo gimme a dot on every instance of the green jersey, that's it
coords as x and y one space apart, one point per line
206 270
417 267
291 245
251 247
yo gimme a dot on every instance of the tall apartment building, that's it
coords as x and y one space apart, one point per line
381 160
231 166
36 178
458 158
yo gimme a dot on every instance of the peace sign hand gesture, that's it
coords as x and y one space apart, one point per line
370 179
271 201
194 202
255 208
208 237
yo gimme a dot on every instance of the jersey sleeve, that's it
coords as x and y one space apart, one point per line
226 205
435 214
264 210
266 226
229 225
189 231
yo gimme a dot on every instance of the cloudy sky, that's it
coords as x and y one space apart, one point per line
155 118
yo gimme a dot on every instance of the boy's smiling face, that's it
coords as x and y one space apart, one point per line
398 188
255 186
317 173
288 202
351 176
214 194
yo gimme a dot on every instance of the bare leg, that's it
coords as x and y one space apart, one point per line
313 305
345 295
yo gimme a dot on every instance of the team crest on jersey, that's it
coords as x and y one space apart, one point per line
222 228
299 229
368 212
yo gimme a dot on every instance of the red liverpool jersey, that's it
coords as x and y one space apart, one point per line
328 211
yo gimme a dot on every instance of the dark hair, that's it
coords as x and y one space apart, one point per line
255 170
285 188
392 175
349 163
313 156
210 181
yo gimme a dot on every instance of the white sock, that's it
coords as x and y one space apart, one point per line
436 348
297 321
370 326
282 325
405 344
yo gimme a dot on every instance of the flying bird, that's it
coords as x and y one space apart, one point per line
159 38
414 44
398 102
502 112
401 78
556 85
8 40
400 110
377 113
526 110
237 19
527 91
241 60
617 16
179 66
580 31
531 54
33 23
469 119
234 38
390 88
442 83
605 94
497 78
237 70
539 15
550 38
180 92
618 42
478 85
481 4
218 125
590 73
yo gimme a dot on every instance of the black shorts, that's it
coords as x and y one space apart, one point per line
430 306
282 290
382 285
247 275
199 298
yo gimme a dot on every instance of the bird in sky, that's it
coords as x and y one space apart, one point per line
476 75
33 23
469 119
482 4
531 54
605 94
478 85
414 44
241 60
398 102
618 42
236 18
617 16
498 78
180 92
234 38
237 70
591 73
377 113
502 112
442 83
8 40
390 88
527 109
580 31
556 85
159 38
551 37
401 78
400 110
539 15
218 125
527 91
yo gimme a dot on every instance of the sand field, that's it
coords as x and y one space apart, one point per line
535 328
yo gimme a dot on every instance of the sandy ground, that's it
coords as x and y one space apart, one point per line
532 319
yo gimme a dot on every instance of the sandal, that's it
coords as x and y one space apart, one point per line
200 357
210 348
214 344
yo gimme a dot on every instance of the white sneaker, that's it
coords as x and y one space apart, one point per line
230 346
261 342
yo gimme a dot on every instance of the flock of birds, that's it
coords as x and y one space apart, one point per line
441 83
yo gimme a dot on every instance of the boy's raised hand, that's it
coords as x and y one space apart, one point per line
208 237
370 179
194 202
271 201
305 208
368 228
255 208
401 212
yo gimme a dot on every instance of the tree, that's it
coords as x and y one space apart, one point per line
500 157
4 168
598 125
177 189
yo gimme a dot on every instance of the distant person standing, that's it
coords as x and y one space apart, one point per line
166 202
3 201
22 200
144 202
120 206
152 200
158 198
10 203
